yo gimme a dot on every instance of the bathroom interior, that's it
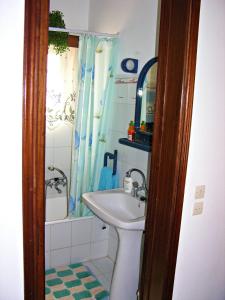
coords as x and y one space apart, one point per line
100 89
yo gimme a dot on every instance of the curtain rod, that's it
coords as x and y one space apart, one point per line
79 32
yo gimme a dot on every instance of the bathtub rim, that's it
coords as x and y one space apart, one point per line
67 219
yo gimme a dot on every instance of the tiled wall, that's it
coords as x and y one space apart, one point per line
75 240
123 108
58 153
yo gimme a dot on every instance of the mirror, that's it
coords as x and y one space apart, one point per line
145 98
148 99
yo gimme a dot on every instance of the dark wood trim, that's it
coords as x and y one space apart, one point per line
175 88
73 41
35 62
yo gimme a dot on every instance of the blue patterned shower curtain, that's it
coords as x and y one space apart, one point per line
96 77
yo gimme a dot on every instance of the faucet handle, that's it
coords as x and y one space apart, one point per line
135 184
135 189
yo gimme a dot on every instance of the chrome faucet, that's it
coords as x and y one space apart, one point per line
52 168
136 187
56 181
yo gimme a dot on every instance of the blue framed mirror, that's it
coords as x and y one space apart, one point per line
145 95
145 102
144 107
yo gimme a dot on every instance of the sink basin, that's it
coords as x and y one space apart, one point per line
126 214
117 208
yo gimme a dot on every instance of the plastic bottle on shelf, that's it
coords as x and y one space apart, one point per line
131 131
143 126
127 183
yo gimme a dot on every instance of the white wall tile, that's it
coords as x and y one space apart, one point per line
49 158
60 257
113 139
62 157
93 268
63 136
80 253
105 265
122 114
132 87
98 233
99 249
61 235
141 161
49 138
47 260
105 282
47 237
81 231
121 91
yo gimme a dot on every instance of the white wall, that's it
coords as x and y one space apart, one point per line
200 271
11 76
135 20
76 12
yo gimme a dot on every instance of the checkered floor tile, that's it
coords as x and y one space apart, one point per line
73 282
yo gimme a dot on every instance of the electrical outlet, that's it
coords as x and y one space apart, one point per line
197 208
200 192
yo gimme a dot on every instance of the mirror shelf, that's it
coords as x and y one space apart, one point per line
140 146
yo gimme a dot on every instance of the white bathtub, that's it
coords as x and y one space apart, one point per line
56 208
75 240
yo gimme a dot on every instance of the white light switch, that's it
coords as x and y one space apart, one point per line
200 192
197 208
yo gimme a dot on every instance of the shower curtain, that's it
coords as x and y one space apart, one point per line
95 92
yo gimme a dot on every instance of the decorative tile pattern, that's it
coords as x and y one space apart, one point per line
73 282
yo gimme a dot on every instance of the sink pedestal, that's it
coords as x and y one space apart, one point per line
126 273
127 215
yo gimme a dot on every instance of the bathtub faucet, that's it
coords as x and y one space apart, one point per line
56 181
52 168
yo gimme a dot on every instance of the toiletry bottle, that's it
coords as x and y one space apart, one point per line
131 131
143 126
127 183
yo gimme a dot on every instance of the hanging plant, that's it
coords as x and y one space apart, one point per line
55 38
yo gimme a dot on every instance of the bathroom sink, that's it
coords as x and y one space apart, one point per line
126 214
117 208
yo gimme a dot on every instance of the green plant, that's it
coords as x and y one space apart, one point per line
56 38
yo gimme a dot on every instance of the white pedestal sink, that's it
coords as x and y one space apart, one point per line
126 213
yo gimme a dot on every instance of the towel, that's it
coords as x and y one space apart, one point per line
107 180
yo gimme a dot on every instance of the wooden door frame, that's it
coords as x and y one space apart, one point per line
174 99
175 88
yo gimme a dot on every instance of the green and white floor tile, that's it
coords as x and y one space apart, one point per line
73 282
